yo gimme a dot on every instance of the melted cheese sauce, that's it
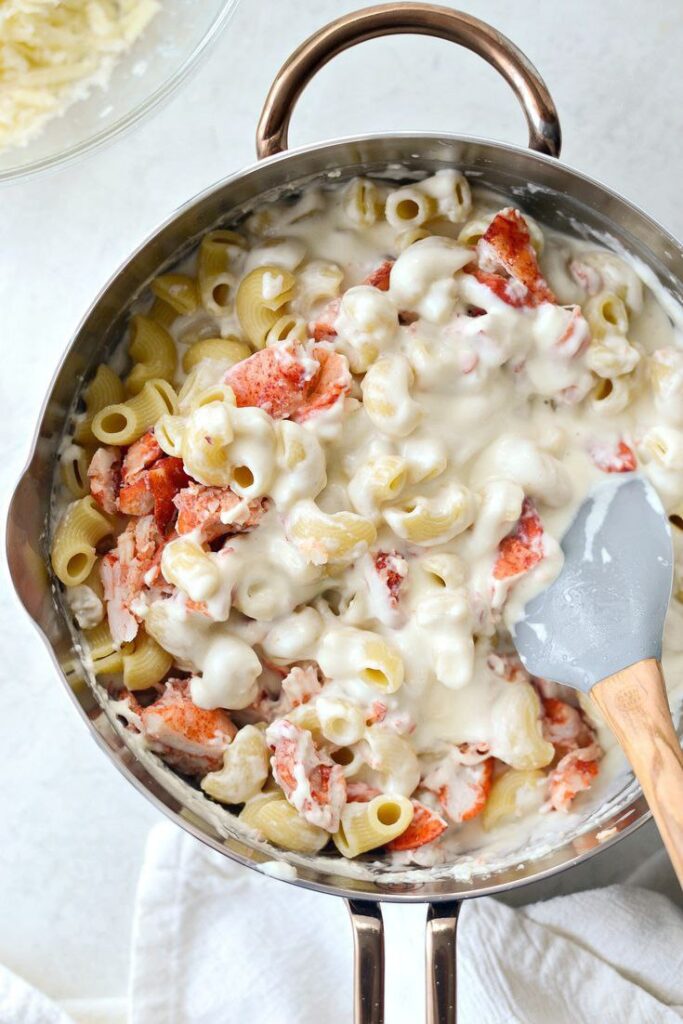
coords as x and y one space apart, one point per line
468 403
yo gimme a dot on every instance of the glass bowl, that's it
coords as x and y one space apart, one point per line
168 49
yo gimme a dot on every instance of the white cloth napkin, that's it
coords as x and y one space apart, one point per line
21 1003
216 942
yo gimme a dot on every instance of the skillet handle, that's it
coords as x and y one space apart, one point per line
440 949
368 962
419 19
368 965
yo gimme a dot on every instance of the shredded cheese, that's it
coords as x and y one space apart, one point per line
53 51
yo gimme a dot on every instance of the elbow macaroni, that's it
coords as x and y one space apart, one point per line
339 553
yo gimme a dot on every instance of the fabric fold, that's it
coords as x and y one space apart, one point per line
215 941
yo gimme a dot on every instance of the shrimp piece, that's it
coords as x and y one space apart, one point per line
522 549
613 459
462 789
565 727
277 379
166 478
104 476
309 779
331 384
211 509
130 568
323 329
506 247
573 775
379 277
392 569
189 739
425 827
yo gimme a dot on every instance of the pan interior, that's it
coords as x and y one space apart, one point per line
555 196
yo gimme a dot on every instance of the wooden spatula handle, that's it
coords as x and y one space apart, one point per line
634 705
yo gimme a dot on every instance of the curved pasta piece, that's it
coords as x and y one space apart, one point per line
146 664
179 291
244 771
125 422
154 354
106 388
74 546
513 794
280 823
365 826
261 296
229 350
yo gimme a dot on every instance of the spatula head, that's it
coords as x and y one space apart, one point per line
606 609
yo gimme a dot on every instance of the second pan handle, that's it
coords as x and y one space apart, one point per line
420 19
440 962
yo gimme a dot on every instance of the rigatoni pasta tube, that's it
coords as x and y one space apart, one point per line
366 826
80 530
106 388
362 202
350 653
215 274
409 207
74 470
124 423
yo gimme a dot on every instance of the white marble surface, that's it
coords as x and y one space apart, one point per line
73 830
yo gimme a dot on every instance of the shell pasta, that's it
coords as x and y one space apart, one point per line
347 437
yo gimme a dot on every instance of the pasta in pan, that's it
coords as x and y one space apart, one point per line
352 432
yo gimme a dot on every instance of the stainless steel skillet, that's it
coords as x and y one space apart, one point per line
551 192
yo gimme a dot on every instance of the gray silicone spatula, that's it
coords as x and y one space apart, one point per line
598 628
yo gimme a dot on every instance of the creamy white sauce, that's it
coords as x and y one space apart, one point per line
279 869
475 412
